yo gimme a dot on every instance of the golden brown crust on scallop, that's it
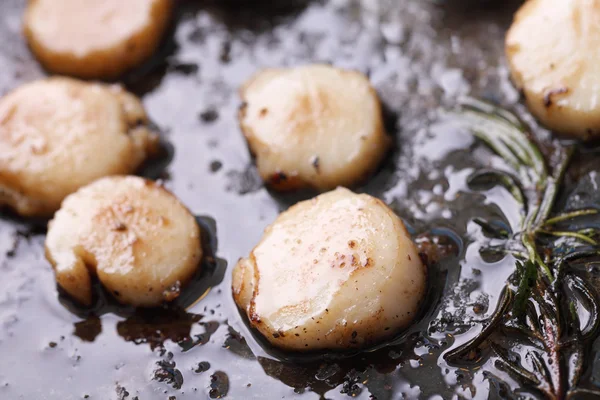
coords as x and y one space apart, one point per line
134 235
552 52
59 134
95 40
315 127
335 272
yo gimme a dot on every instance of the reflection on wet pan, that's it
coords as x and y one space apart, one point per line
421 57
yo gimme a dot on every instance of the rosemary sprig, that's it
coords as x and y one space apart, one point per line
533 305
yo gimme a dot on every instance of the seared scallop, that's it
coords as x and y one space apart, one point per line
59 134
95 39
134 235
335 272
313 127
552 49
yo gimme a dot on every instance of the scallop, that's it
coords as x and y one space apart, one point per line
336 272
97 39
134 235
552 52
314 127
59 134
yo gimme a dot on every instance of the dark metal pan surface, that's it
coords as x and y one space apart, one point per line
421 56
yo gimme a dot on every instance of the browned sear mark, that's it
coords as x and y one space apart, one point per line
316 163
278 178
553 92
120 227
339 261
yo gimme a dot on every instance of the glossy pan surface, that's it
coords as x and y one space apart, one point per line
421 56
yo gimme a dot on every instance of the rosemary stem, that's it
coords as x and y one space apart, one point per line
570 215
529 243
575 235
552 189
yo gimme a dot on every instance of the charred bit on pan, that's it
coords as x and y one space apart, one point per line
209 116
353 339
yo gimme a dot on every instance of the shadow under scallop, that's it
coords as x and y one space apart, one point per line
156 166
236 15
250 15
154 326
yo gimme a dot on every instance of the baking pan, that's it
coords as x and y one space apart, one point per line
421 56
